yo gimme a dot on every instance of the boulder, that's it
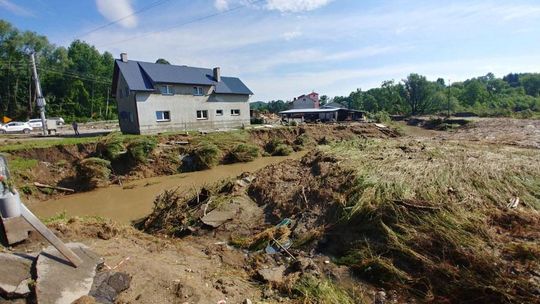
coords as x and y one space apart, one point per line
107 285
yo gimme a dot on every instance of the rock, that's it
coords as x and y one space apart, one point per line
247 301
380 297
272 275
216 218
15 274
58 282
107 286
85 300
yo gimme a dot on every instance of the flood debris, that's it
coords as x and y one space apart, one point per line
15 275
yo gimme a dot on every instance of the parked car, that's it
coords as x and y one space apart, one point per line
16 127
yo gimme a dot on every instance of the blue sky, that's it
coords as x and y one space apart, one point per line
283 48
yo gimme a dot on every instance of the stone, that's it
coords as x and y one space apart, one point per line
247 301
15 274
107 286
85 300
216 218
58 282
272 275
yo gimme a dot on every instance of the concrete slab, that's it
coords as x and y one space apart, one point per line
60 283
15 274
16 229
216 218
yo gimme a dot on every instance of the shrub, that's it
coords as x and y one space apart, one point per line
205 156
140 148
243 153
303 140
94 171
282 150
381 117
111 146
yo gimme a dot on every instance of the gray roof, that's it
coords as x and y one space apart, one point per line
143 76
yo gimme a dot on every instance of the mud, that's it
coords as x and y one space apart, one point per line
133 200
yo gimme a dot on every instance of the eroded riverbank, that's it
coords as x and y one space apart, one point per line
135 199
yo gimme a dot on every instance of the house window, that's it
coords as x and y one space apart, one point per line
202 114
219 112
197 91
120 93
166 90
163 115
127 91
235 112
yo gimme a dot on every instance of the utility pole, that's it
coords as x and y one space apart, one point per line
40 100
449 97
107 107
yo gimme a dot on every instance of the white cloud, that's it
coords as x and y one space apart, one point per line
117 9
295 6
15 9
291 35
221 5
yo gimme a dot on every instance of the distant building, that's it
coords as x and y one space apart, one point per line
332 112
309 101
155 97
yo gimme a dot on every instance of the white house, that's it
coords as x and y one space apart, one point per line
155 97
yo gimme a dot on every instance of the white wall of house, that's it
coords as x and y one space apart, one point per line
127 110
183 107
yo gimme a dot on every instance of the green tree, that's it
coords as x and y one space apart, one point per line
162 61
417 93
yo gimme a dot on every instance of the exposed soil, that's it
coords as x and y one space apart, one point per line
58 165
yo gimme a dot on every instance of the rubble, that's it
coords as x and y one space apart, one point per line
15 275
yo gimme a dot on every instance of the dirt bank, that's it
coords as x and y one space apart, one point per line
141 157
427 221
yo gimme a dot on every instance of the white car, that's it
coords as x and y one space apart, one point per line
16 127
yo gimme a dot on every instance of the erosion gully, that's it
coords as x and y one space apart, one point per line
134 200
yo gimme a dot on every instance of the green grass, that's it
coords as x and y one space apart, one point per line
311 290
19 164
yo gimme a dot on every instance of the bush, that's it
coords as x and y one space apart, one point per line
111 146
303 140
257 121
140 148
205 156
382 117
243 153
94 171
282 150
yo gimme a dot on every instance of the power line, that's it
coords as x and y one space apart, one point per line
143 9
96 80
185 23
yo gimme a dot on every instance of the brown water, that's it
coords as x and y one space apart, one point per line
135 199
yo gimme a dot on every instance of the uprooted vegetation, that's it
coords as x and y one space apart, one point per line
433 221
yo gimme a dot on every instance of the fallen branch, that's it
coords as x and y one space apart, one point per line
285 249
40 185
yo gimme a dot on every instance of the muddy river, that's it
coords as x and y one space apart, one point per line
135 199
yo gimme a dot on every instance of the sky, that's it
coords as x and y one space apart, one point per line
285 48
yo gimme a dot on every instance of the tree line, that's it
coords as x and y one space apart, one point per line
76 80
512 95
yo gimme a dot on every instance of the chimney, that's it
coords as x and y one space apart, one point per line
217 74
123 57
